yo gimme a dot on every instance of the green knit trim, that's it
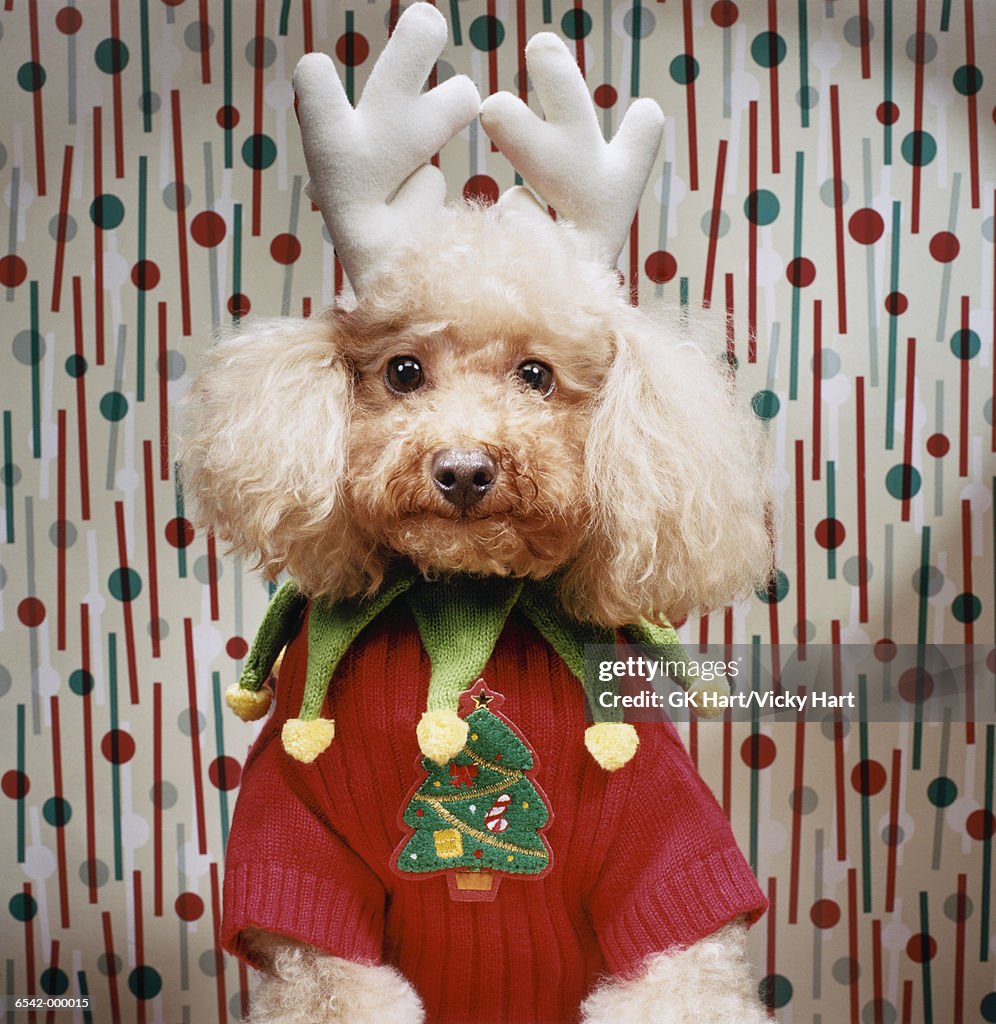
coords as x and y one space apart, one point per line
279 622
459 622
332 628
665 637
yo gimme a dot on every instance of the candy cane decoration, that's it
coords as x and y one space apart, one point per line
495 819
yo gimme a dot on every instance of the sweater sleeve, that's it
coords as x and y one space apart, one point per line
672 873
287 872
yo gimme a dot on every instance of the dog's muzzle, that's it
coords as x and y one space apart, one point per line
463 477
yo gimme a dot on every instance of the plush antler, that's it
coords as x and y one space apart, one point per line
595 184
369 167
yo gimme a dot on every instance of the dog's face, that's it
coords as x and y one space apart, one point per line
466 446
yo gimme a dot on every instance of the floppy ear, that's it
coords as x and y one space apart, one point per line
674 478
263 447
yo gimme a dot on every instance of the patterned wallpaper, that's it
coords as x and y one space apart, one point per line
827 176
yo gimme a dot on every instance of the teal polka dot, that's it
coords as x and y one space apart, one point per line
968 80
107 211
57 811
966 607
54 982
761 207
684 69
768 49
777 590
903 481
575 24
145 982
775 991
22 907
80 682
259 152
942 792
988 1008
114 406
111 56
125 584
487 32
75 366
965 344
765 405
919 148
31 76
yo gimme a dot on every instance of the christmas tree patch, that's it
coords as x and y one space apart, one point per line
479 816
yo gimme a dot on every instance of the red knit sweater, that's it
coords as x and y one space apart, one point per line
642 858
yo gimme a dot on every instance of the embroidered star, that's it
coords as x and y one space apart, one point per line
482 700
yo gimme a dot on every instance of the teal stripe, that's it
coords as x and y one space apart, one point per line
350 74
8 476
890 384
796 295
547 12
921 642
143 16
831 514
112 674
84 991
683 295
866 867
284 17
803 60
181 551
455 22
887 81
143 193
36 438
236 257
227 47
928 1009
219 741
946 16
987 849
755 729
634 77
20 768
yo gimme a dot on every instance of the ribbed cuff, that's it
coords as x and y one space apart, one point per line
707 895
312 910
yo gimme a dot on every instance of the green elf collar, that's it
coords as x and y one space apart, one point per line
459 621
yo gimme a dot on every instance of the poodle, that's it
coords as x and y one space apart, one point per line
490 409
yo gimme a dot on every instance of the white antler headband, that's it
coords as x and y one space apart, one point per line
597 185
369 168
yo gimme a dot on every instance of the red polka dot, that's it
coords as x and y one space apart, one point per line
605 96
145 275
172 3
117 746
866 226
868 777
830 533
661 267
208 228
981 825
482 188
236 648
758 751
13 271
921 948
478 854
239 304
285 249
724 13
355 42
915 685
225 773
227 117
498 757
885 649
887 113
420 813
68 21
179 532
801 272
15 784
896 303
938 445
944 247
824 913
31 612
189 906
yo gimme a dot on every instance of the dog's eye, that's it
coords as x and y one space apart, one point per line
404 374
537 376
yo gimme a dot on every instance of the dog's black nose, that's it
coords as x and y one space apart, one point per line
463 477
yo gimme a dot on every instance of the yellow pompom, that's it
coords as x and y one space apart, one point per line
611 744
304 740
441 735
698 690
249 705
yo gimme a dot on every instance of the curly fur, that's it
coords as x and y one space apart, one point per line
639 477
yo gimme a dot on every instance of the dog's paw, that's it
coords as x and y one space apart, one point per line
306 986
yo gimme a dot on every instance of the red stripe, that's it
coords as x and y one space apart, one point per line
963 399
205 42
492 59
852 942
865 39
60 831
37 100
840 791
817 388
163 398
81 402
693 134
838 209
520 49
126 603
634 260
890 870
579 42
877 970
776 159
800 549
703 633
973 119
116 97
136 891
959 974
60 240
797 779
91 817
219 962
717 206
212 575
150 544
306 306
60 550
112 974
392 18
195 743
309 42
907 1002
157 784
752 237
731 346
771 917
862 505
921 17
257 116
98 234
908 425
243 989
181 212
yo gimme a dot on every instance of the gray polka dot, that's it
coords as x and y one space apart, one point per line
3 156
829 363
444 71
899 833
987 224
169 196
845 970
70 227
102 965
100 872
267 56
10 474
183 721
24 351
852 569
987 410
852 30
810 630
932 584
192 36
722 226
176 365
201 569
647 22
163 629
68 534
807 98
828 723
951 907
3 577
826 192
207 963
804 800
235 1006
168 795
149 102
879 1012
929 47
4 680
